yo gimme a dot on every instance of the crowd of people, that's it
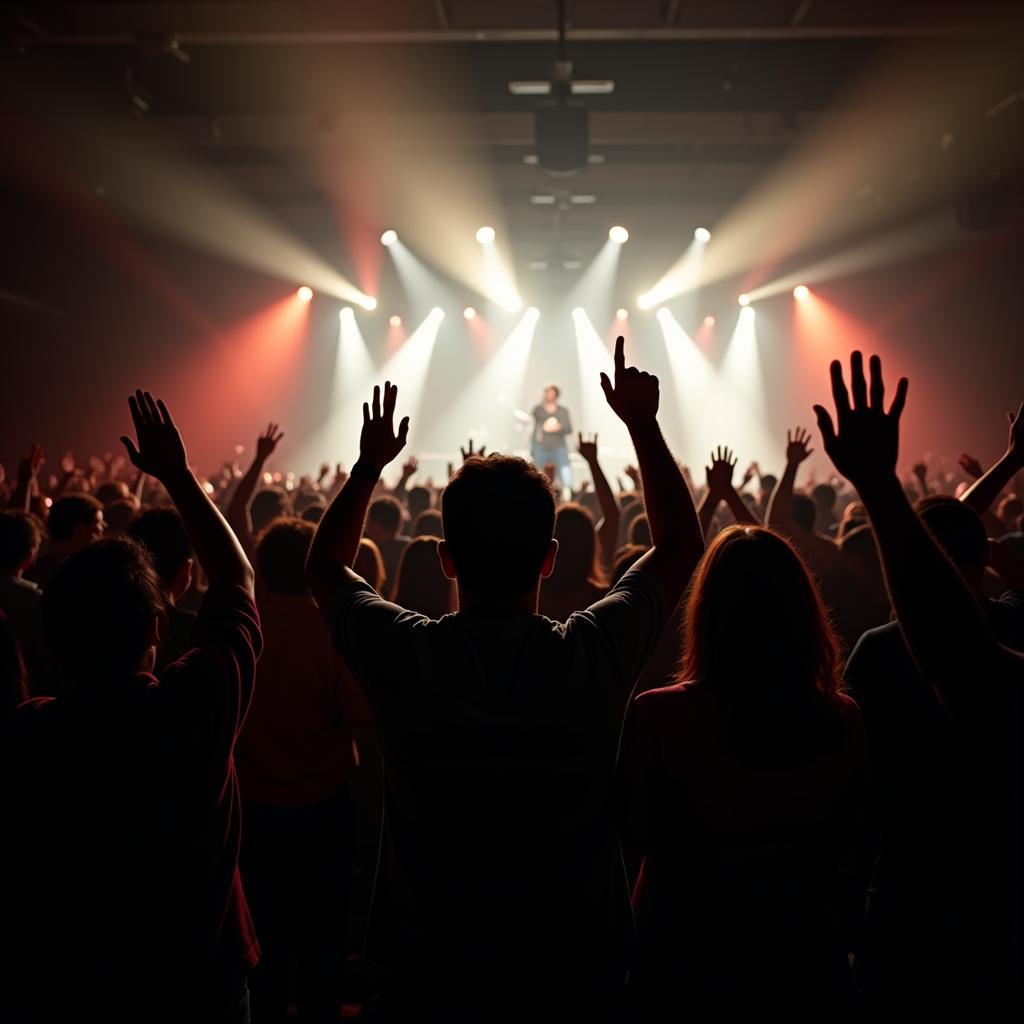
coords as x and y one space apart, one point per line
686 746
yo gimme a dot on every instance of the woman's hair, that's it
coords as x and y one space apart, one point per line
577 562
758 634
370 564
281 551
422 586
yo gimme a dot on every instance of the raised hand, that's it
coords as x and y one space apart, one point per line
796 445
267 441
748 474
719 473
410 467
634 396
864 442
29 466
634 474
468 453
325 468
971 466
378 442
920 470
160 451
587 449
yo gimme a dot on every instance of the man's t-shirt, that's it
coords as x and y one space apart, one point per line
551 439
499 738
123 813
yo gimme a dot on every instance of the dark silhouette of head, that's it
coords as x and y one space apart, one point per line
824 497
422 585
307 499
281 551
161 531
577 562
119 515
959 531
313 513
370 564
100 611
499 517
640 531
74 521
113 490
418 500
20 538
268 504
756 628
384 520
428 524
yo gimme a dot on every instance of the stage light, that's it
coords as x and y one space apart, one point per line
801 291
368 302
469 313
702 235
621 314
747 311
395 321
346 312
437 313
305 293
618 234
578 311
533 312
511 303
389 237
744 300
485 235
644 301
709 321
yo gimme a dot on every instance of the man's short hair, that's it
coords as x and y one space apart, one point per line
19 537
268 504
69 512
428 524
499 518
419 499
957 528
281 551
386 513
823 495
803 511
553 387
161 531
98 608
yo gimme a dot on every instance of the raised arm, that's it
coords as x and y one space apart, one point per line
981 495
409 468
27 482
719 489
675 530
160 453
337 537
238 508
779 514
608 529
945 628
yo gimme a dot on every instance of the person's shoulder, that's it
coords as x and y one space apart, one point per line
679 694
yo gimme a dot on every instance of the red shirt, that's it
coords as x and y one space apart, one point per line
125 807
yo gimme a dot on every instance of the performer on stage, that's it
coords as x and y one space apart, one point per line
551 426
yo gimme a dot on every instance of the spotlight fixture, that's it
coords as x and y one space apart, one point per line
533 312
744 300
305 293
346 312
485 235
644 301
437 312
709 321
801 291
618 234
621 313
389 237
702 235
395 320
469 313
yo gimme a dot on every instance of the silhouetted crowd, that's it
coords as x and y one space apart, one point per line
499 749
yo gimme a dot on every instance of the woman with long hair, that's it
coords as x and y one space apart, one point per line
742 785
421 585
577 580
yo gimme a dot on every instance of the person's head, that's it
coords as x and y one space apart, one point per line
111 491
281 551
499 518
428 524
625 557
803 511
756 628
161 531
75 520
101 608
768 482
577 562
1009 511
118 515
959 531
860 556
640 531
422 585
307 499
269 504
824 498
551 393
369 564
313 513
418 500
384 520
19 541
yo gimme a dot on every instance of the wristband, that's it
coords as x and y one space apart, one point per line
365 471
